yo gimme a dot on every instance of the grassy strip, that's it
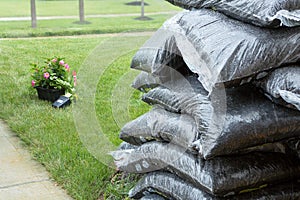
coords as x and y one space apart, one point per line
104 105
117 189
62 27
19 8
50 134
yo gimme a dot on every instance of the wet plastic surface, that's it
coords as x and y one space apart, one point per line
217 48
219 176
213 135
152 197
248 118
267 13
176 188
126 145
282 86
161 125
294 145
145 81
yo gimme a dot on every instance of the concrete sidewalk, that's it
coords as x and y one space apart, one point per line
21 177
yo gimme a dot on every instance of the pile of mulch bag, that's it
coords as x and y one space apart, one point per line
223 79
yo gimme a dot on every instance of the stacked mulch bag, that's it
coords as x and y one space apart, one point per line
224 81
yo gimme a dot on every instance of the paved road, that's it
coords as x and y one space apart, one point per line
21 177
87 16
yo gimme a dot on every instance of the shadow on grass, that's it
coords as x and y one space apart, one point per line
82 22
144 18
136 3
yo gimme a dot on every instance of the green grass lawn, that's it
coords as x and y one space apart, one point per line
67 27
61 27
12 8
73 148
51 134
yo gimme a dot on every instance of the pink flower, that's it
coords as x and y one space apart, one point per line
61 62
67 67
54 60
75 78
46 75
32 83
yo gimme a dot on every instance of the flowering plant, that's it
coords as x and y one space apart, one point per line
54 74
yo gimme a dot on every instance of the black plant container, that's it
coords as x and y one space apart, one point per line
49 94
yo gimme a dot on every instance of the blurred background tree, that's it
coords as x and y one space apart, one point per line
81 11
33 14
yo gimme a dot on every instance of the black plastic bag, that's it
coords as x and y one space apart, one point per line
266 13
282 86
229 120
155 53
159 124
293 144
219 49
184 95
220 176
145 81
126 145
176 131
175 188
152 197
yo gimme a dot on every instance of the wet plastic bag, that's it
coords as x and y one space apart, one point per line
282 86
175 188
229 120
145 81
220 176
126 145
266 13
219 49
293 144
135 134
152 197
159 124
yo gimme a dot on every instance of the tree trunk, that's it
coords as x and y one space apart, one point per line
142 8
33 13
81 10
